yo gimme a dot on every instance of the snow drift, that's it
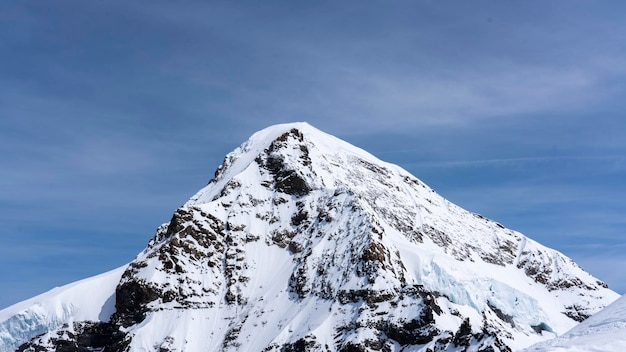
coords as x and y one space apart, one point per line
603 332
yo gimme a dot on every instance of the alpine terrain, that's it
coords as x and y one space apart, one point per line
303 242
605 331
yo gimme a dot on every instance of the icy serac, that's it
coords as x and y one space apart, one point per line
91 299
303 242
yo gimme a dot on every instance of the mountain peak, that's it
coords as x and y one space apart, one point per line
286 151
303 242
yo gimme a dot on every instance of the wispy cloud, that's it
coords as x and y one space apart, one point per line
616 160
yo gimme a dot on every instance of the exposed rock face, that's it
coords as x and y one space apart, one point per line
303 242
82 336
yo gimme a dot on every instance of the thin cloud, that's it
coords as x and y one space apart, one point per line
500 162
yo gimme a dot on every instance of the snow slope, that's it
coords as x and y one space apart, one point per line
91 299
302 241
603 332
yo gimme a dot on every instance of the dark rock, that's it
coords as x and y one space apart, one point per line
376 252
131 301
414 332
299 217
286 179
350 347
464 335
282 238
87 336
365 295
305 344
295 247
500 314
576 312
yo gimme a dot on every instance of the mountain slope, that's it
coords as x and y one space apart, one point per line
605 331
91 299
303 242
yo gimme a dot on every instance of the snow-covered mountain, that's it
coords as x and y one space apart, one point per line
303 242
91 299
605 331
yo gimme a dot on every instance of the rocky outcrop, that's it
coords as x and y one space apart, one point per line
80 337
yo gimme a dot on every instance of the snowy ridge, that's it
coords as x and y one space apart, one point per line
91 299
243 157
303 242
603 332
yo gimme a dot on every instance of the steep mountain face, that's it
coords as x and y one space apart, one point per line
303 242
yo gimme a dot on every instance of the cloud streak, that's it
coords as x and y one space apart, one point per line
616 160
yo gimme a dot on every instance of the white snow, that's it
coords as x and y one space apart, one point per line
605 331
91 299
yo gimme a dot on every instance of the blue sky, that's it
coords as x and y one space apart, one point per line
112 114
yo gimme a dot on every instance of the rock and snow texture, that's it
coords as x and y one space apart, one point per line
91 299
303 242
603 332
